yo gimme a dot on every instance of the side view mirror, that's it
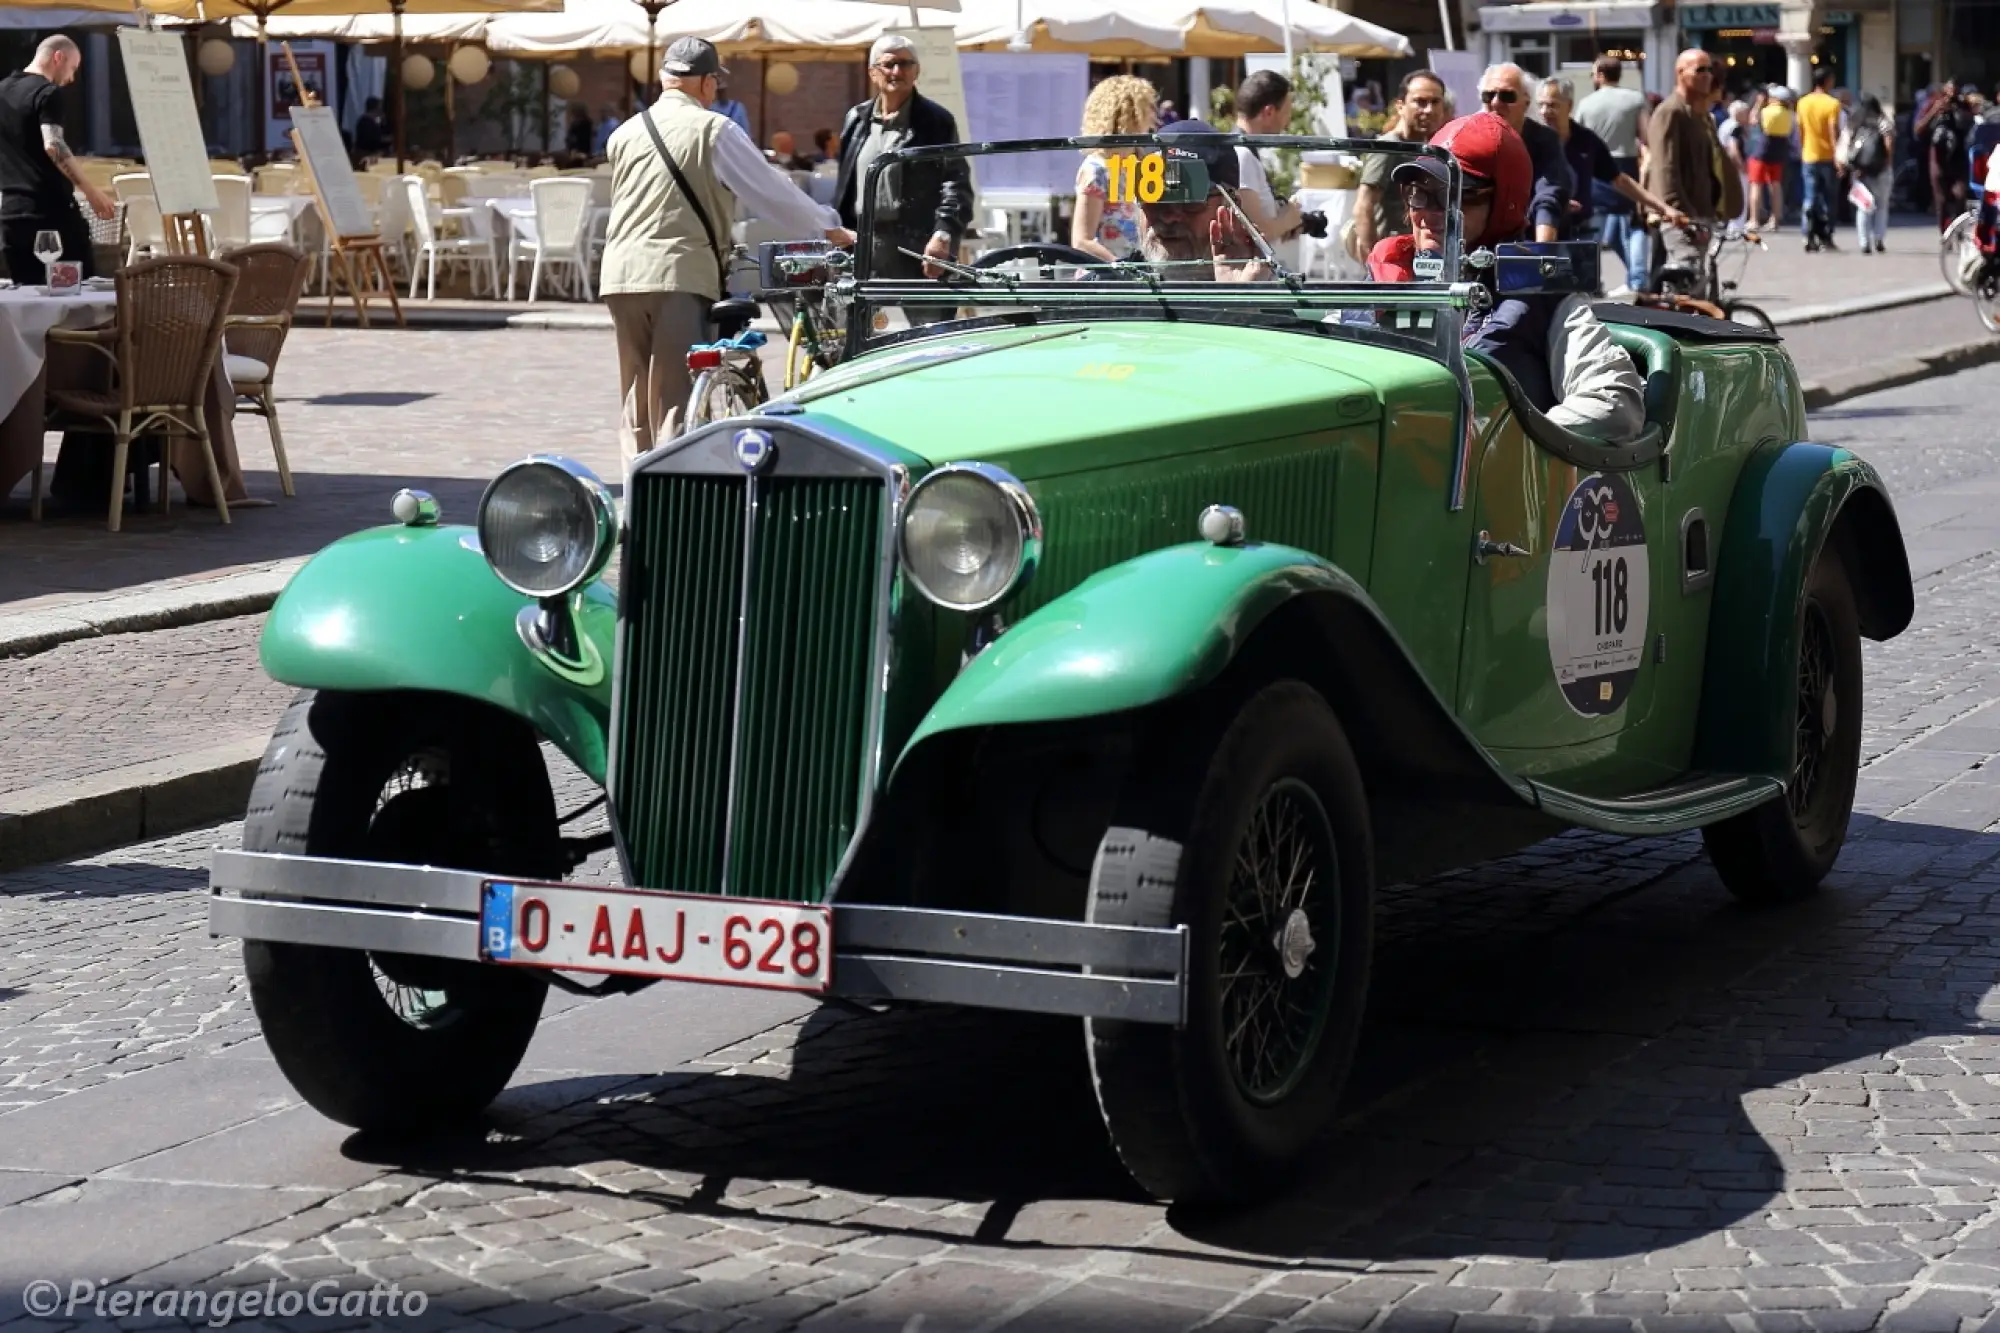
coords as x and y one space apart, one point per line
1524 268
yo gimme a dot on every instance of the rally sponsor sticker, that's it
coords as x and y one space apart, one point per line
1428 265
1598 598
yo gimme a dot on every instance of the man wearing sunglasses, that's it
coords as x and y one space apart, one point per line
1554 346
1686 167
920 206
1505 91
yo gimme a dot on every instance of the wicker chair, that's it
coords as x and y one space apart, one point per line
162 353
269 279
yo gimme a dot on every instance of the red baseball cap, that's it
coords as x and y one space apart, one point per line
1490 153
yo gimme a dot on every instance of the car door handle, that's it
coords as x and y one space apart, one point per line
1485 548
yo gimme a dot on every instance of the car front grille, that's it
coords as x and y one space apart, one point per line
741 752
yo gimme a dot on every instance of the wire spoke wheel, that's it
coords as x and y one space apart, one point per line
1818 710
1952 245
1280 937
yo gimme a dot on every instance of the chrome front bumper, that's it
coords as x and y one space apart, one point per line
1031 964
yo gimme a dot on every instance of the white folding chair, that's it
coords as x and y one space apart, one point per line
562 234
229 229
472 244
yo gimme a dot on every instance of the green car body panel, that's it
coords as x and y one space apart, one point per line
1341 454
418 608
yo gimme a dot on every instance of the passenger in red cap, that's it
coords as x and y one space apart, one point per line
1554 346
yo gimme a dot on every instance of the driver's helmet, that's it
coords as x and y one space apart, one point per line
1489 153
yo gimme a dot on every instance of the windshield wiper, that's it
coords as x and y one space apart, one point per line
952 266
1270 256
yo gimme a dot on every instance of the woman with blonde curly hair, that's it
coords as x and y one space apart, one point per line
1122 104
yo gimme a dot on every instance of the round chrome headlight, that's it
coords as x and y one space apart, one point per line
970 536
547 525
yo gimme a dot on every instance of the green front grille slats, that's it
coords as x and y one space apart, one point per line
679 682
780 825
806 688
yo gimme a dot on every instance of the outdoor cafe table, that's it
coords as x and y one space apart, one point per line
26 316
27 368
275 217
518 212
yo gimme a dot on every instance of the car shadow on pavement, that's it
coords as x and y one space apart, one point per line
69 880
1589 1050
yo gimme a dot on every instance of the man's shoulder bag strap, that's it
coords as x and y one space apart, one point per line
694 200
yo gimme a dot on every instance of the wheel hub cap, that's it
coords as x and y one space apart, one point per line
1295 944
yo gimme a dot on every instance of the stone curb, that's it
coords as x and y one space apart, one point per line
1947 360
247 592
62 820
1860 305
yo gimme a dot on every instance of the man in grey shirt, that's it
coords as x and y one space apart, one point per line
1618 116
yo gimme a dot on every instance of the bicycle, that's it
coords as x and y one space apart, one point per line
1955 243
1704 291
729 372
807 277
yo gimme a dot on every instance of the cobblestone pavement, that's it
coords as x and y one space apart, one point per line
98 704
1593 1094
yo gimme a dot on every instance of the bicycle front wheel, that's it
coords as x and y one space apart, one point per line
1742 312
1953 245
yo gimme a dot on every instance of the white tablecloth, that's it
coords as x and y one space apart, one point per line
26 316
275 217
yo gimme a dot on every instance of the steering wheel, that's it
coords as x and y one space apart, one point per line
1044 252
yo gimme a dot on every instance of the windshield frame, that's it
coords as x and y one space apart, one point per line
891 289
1062 301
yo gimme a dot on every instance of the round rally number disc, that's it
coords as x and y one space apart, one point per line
1598 586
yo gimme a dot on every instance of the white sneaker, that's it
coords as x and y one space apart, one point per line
1619 293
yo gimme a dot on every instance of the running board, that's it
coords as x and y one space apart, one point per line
1690 803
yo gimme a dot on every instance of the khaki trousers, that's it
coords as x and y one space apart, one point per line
654 331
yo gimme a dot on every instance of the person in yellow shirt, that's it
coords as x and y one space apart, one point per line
1819 132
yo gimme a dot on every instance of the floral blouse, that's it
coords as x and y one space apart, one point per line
1118 229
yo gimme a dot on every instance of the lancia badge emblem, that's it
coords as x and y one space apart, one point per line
753 449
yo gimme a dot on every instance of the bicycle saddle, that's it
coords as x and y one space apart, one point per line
732 316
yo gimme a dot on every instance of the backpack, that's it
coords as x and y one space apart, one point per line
1869 153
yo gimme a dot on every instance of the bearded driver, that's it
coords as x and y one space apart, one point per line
1182 235
1553 345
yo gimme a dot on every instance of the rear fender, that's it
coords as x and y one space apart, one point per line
1790 502
406 608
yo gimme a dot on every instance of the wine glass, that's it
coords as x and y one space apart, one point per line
48 249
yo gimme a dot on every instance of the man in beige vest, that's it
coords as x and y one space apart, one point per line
662 267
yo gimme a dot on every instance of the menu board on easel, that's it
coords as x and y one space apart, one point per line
325 156
156 75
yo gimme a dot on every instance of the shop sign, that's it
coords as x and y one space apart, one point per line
1743 16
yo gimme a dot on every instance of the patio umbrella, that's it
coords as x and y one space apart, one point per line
29 14
201 11
1235 28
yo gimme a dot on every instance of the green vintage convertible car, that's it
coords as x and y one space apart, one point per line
1095 651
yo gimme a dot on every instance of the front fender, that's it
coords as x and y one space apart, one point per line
1789 502
399 608
1137 633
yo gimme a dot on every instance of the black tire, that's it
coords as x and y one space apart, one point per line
1742 312
388 1041
721 394
1184 1117
1780 851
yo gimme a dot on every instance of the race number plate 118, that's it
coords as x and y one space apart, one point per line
676 936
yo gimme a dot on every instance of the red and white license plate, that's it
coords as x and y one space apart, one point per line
681 936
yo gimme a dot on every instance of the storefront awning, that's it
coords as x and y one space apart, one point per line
1584 16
